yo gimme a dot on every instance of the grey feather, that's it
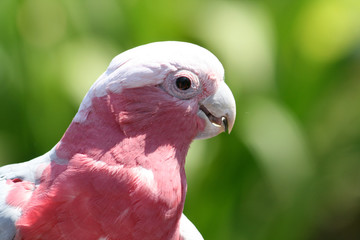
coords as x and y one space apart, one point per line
27 171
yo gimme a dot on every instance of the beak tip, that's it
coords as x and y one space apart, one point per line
226 124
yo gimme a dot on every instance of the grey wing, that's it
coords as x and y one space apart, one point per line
8 214
27 171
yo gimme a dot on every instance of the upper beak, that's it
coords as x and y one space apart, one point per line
218 111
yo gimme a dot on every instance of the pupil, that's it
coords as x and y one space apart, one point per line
183 83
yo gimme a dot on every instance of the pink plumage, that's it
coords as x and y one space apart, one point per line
118 171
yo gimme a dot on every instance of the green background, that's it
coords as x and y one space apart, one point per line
291 167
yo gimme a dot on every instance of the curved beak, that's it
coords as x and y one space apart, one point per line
218 111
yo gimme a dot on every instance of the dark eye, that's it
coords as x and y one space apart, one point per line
183 83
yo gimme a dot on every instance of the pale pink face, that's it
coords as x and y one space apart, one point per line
187 76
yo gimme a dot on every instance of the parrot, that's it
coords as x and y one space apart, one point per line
118 171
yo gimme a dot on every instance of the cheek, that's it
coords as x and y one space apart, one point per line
191 109
200 122
151 111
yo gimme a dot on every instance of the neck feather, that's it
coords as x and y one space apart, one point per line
139 127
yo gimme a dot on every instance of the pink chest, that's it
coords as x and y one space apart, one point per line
92 200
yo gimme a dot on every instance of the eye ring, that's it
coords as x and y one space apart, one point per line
183 83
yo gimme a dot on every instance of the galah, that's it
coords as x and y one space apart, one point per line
118 171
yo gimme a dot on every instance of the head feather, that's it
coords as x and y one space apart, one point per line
149 65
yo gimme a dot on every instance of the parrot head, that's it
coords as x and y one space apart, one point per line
166 79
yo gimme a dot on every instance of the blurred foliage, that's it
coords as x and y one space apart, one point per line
291 167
